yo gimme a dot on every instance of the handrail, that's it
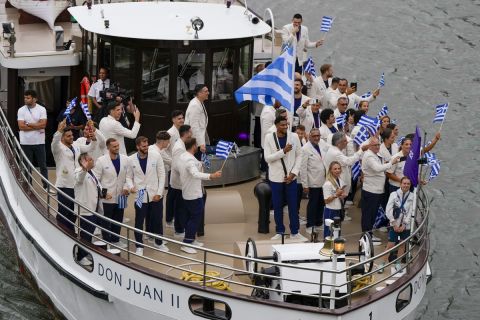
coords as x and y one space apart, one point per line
27 172
269 11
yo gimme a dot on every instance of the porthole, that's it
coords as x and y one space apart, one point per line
83 258
209 308
404 297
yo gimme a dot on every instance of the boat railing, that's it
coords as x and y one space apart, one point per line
31 181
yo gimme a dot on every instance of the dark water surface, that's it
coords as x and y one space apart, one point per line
429 51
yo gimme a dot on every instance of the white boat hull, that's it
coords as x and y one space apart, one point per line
115 291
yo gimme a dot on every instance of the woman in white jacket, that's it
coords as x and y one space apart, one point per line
333 194
400 208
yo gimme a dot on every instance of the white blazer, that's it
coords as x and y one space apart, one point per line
100 148
307 117
178 150
325 133
191 176
174 136
267 119
296 119
107 175
66 161
313 168
396 198
319 89
196 116
273 156
112 128
87 192
153 180
373 169
335 154
301 44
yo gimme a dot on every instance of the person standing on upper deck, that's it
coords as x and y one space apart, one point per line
196 116
102 83
296 34
32 120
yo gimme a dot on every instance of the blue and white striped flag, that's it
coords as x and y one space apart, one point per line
326 24
366 95
85 111
223 149
122 201
372 124
361 136
434 164
356 170
383 112
310 67
341 120
206 161
381 219
274 82
381 82
139 200
400 140
440 112
69 108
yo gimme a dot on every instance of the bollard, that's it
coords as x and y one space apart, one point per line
263 193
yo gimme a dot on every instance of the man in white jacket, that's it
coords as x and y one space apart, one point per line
112 128
284 158
322 83
100 148
88 199
313 177
191 176
296 34
66 152
147 179
196 116
309 114
111 170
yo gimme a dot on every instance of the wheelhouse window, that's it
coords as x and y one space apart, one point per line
123 70
191 70
245 67
155 75
222 75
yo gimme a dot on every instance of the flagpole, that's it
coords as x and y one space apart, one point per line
441 125
223 165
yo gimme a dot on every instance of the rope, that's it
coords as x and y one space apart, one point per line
359 282
217 284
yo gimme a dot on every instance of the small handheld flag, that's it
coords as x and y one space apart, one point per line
383 112
85 111
206 162
139 199
122 201
371 124
434 164
381 82
366 95
356 169
326 24
440 112
310 67
361 136
341 120
69 108
223 149
380 219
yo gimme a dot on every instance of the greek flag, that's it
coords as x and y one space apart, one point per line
85 111
341 120
381 82
372 124
381 219
365 96
206 162
361 136
69 108
440 112
400 140
356 169
383 112
310 67
434 164
326 24
223 149
122 201
139 200
274 82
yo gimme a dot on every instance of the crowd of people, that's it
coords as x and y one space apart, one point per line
305 153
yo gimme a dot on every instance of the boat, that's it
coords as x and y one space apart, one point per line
240 273
46 10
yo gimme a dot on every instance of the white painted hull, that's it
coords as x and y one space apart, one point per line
114 291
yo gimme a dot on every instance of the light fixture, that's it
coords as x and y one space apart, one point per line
197 25
107 23
255 20
8 29
186 42
229 3
339 246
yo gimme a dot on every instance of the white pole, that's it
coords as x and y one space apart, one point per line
334 280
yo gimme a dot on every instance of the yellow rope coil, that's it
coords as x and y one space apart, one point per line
217 284
361 282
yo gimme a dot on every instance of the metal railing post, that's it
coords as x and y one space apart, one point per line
48 200
320 290
204 269
78 222
128 244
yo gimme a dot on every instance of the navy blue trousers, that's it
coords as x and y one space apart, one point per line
315 206
329 214
151 215
87 224
69 218
370 204
280 191
169 203
194 210
111 210
178 209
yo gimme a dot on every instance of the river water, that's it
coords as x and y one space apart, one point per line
429 51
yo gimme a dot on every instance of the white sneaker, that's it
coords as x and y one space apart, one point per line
85 262
376 239
298 236
349 203
383 229
197 243
52 192
177 235
126 220
120 244
188 250
277 236
309 230
139 252
169 224
97 231
377 243
302 220
272 212
161 247
347 218
285 209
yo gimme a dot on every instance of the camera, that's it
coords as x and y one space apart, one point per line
114 91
